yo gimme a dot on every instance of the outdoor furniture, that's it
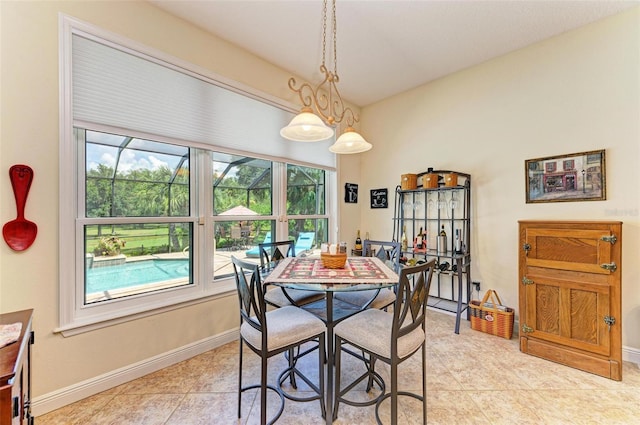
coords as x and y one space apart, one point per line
389 337
306 273
304 242
255 251
270 333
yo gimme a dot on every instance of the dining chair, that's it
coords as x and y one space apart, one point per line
388 252
391 337
273 252
268 333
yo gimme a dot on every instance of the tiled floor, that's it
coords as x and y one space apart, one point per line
472 378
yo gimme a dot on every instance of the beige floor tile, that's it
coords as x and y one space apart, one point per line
472 378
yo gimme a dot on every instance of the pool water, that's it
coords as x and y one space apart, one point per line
134 273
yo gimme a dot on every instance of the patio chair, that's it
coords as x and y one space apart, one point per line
389 337
255 251
268 333
304 242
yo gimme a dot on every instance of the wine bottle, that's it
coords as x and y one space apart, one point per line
403 240
358 246
458 243
419 240
442 241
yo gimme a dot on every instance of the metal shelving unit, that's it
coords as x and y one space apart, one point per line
431 209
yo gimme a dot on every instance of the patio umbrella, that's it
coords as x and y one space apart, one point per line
239 210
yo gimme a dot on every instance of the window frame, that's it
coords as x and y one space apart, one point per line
74 316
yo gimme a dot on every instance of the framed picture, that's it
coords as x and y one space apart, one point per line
379 198
566 178
351 193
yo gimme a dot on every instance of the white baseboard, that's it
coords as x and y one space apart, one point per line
630 354
64 396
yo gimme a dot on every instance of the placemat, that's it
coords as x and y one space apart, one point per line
356 270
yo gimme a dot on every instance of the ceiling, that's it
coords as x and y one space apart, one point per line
387 47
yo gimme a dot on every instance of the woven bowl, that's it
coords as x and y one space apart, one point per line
333 261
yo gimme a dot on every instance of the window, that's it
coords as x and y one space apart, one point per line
568 164
127 177
156 196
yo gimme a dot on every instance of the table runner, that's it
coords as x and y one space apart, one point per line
311 270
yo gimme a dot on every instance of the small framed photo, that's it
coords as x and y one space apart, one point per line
379 198
566 178
351 193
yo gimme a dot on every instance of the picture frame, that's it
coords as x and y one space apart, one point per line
351 193
566 178
379 198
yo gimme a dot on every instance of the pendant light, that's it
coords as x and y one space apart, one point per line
323 107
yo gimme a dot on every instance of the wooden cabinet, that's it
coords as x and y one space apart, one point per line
15 372
570 293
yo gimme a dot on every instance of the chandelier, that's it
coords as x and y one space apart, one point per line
323 107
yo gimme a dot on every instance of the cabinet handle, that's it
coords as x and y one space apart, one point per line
526 281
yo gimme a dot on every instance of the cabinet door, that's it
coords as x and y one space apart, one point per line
570 292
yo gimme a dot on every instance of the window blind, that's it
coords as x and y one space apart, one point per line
119 88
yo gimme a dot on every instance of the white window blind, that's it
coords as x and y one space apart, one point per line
122 89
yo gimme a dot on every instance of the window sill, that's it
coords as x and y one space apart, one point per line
223 289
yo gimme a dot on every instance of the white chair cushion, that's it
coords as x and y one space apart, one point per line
385 298
371 330
285 326
276 297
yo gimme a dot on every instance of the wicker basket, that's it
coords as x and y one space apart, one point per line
490 316
451 180
430 181
333 261
409 181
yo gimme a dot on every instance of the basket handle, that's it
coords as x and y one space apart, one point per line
493 295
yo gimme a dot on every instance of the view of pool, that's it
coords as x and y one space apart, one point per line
135 273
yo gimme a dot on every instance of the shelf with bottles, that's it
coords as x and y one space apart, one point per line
434 221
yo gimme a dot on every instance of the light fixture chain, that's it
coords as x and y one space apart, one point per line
335 41
324 31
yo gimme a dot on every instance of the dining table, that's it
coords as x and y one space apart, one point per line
309 273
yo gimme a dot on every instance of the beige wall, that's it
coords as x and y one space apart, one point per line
573 93
577 92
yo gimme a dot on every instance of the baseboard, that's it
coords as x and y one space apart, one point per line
64 396
630 354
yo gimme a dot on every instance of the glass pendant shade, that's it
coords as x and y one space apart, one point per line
306 127
350 142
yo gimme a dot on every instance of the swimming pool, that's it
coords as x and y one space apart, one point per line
134 273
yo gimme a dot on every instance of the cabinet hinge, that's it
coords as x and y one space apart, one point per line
610 266
609 238
526 281
526 329
16 407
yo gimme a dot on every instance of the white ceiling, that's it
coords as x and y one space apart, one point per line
387 47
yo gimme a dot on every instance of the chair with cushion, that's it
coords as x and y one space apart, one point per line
273 252
270 333
389 252
389 337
